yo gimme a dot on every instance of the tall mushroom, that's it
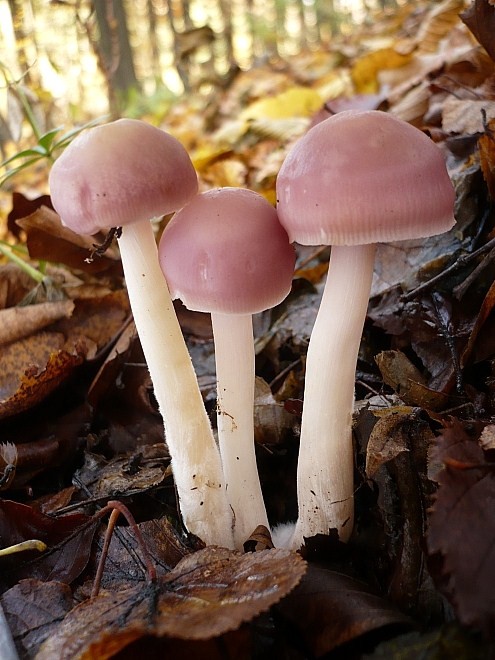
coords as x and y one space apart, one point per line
123 174
226 253
353 180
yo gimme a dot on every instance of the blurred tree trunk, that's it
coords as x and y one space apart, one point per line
153 36
115 52
24 35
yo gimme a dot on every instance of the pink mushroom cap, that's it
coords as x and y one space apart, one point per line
226 252
364 177
123 172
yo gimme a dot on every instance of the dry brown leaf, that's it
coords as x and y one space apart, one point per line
487 157
49 240
392 435
406 380
480 19
439 21
207 594
19 322
31 368
464 117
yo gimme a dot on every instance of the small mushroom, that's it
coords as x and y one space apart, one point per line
123 174
353 180
226 253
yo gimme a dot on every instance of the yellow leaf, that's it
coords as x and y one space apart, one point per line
365 69
293 102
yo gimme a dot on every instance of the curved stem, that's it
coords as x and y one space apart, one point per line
234 358
326 459
195 458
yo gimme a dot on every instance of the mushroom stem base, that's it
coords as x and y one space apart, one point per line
234 357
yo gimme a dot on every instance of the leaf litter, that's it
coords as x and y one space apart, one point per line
421 551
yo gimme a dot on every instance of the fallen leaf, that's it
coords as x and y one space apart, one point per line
68 539
406 380
49 240
207 594
19 322
33 610
328 609
480 19
462 526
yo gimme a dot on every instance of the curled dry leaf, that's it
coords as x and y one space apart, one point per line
49 240
406 380
19 322
207 594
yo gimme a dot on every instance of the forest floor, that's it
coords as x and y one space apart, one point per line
416 578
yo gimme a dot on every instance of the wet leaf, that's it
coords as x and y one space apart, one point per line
328 609
33 610
208 593
68 539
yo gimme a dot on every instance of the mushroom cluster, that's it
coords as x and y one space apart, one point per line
356 179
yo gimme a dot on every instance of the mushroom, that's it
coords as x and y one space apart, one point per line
353 180
226 253
123 174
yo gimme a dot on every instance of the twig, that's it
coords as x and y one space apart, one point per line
116 509
462 261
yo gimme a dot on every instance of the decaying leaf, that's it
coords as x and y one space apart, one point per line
33 609
462 525
208 593
33 367
68 539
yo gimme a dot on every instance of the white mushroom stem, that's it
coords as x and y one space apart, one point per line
235 364
195 457
325 484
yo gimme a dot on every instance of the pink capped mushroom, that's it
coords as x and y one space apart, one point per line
355 179
226 253
123 174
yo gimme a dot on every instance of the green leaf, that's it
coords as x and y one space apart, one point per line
46 139
8 175
66 138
